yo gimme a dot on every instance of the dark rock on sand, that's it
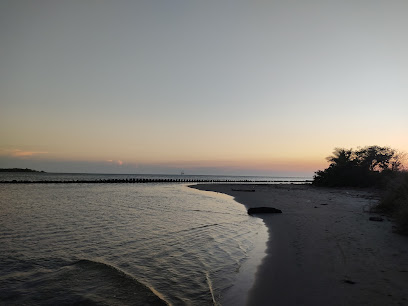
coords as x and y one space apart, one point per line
244 190
263 210
376 219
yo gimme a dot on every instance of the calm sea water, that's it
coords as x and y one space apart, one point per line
120 244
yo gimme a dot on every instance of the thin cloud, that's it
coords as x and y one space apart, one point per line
27 153
118 162
20 153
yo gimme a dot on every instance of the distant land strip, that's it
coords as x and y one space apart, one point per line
146 180
19 170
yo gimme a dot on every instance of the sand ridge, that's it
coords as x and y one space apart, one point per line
323 250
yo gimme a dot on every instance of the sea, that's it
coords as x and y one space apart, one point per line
125 244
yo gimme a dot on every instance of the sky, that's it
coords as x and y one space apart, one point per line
209 87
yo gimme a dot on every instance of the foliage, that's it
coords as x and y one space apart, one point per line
394 201
372 166
364 167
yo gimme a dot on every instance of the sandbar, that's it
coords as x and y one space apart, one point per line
323 249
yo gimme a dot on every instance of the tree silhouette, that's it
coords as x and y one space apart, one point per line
375 158
341 157
366 166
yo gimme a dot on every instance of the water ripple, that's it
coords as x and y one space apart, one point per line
119 244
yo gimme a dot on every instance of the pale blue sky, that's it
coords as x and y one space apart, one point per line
260 87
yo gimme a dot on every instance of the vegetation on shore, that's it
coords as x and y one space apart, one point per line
394 201
19 170
374 166
365 167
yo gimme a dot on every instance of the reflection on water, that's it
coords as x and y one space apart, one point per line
120 244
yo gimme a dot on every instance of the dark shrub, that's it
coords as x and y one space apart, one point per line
366 167
394 201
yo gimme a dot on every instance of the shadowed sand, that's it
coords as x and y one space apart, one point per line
323 250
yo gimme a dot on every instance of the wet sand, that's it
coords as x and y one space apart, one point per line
323 249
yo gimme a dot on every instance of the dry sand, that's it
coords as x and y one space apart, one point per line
323 250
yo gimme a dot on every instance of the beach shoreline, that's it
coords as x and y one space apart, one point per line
323 249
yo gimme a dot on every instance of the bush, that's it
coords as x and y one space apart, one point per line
402 220
394 201
372 166
366 167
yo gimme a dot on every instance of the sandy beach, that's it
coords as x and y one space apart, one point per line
323 249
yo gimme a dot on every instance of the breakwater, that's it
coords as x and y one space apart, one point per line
151 180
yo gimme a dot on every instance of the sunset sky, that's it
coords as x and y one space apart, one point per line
210 87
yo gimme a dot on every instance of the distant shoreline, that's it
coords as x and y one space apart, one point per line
20 170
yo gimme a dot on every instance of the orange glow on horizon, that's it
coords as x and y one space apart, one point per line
20 153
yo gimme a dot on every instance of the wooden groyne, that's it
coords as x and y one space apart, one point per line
149 180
